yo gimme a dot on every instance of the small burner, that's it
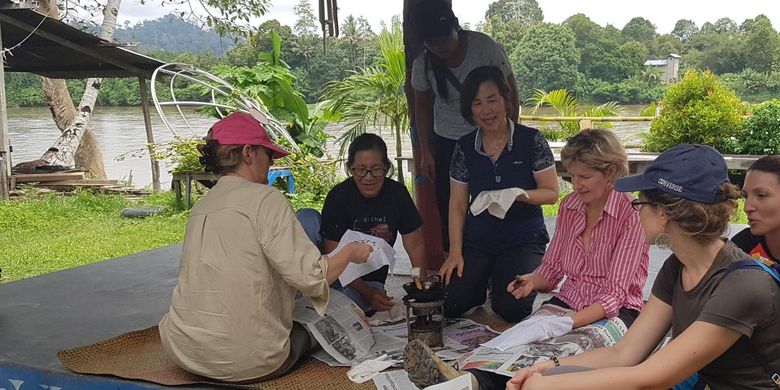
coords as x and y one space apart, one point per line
425 311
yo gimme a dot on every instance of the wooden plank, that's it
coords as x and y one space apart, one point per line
58 184
83 182
149 134
43 177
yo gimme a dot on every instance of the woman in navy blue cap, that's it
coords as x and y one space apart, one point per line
724 326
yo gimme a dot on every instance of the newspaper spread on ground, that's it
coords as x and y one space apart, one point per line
343 331
600 334
384 343
459 335
394 380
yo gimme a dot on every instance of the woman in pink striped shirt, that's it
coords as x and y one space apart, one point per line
599 243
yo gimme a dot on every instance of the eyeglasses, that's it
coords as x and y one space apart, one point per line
375 172
637 204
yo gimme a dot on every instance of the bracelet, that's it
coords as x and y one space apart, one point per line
555 360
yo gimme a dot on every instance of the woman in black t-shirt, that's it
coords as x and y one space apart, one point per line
762 206
371 203
725 327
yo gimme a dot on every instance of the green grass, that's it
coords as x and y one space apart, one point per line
54 232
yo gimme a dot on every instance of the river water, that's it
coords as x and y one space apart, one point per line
120 131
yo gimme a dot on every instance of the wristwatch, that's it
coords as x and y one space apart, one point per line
555 360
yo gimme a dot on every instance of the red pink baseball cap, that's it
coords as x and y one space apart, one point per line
241 128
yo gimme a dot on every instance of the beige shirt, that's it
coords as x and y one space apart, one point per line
244 257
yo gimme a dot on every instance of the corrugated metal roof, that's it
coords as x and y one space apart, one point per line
655 63
57 50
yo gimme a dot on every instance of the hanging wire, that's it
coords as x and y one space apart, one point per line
10 50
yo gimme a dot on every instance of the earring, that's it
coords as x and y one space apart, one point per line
663 240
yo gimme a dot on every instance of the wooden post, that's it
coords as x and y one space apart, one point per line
149 134
586 124
5 166
424 190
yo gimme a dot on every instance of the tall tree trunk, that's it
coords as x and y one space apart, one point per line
77 145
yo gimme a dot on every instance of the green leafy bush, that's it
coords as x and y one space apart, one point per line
181 154
698 109
313 179
761 134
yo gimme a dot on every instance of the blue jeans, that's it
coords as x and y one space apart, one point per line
311 221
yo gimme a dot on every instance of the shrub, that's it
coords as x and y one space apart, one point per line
761 134
313 179
698 109
181 154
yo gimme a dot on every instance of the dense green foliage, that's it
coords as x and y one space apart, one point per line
313 180
374 95
604 63
698 109
171 33
761 134
545 59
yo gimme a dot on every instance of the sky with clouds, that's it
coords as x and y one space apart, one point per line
663 13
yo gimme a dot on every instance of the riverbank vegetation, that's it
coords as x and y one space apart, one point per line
597 63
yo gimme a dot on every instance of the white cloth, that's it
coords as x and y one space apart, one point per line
395 314
535 328
496 202
383 254
368 369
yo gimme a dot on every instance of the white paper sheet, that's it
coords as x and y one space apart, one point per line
382 255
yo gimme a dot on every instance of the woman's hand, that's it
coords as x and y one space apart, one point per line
526 376
427 165
522 379
358 251
378 299
454 262
521 286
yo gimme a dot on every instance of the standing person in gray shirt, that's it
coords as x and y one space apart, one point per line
450 54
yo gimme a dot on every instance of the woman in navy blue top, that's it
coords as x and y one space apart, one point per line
500 154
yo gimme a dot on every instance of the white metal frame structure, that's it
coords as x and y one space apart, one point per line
225 98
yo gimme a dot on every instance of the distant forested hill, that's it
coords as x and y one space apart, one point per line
171 33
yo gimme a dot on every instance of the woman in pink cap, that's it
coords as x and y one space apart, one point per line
244 257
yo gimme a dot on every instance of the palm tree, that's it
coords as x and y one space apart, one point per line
373 95
651 76
566 105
